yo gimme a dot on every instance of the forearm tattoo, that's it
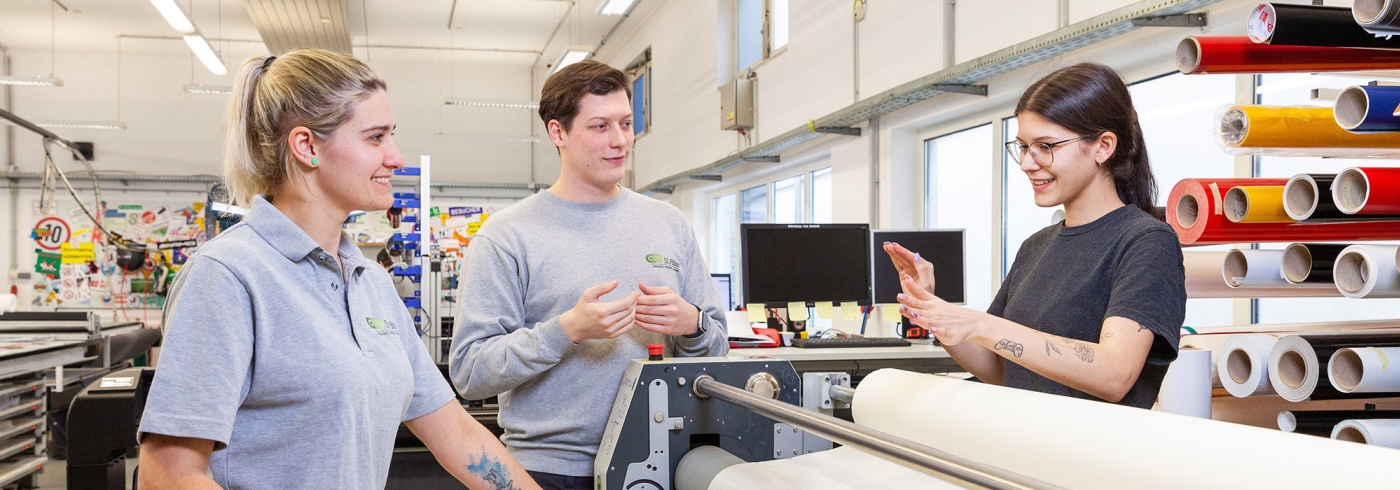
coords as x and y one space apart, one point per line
1051 347
1014 348
1082 350
492 472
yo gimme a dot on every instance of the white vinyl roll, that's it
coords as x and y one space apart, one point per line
1367 271
841 468
1208 343
1263 270
1372 432
1293 369
1244 364
1205 279
1364 370
1052 438
1186 387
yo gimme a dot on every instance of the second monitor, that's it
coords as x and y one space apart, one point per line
943 248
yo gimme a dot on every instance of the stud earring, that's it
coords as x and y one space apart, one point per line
313 162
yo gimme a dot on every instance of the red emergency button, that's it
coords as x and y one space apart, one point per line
655 351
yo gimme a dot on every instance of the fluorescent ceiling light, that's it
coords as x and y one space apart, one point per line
82 124
572 55
500 104
31 81
206 54
199 88
615 7
174 15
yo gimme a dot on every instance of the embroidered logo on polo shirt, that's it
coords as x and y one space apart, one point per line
381 326
658 260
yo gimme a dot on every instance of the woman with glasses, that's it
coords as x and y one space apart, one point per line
1092 305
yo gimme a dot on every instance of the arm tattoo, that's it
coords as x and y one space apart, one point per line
1084 352
1007 345
1141 327
1051 347
492 472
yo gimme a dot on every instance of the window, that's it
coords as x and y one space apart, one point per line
640 73
1176 113
755 205
957 181
762 30
1296 89
724 236
788 200
821 196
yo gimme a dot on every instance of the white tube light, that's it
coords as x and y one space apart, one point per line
572 55
82 124
199 88
31 81
615 7
206 54
174 15
499 104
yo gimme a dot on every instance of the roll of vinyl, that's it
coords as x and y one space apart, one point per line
1367 271
1321 422
1296 362
842 468
1308 198
1245 364
1308 25
1367 190
1368 108
1205 279
1297 131
1237 54
1025 432
1372 432
1256 204
1195 211
1186 387
1310 262
1381 17
698 468
1259 270
1364 370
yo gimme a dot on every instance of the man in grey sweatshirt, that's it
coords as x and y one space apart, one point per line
562 289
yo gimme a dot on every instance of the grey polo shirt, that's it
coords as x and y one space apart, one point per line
299 373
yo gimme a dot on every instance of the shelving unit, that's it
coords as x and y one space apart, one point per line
420 241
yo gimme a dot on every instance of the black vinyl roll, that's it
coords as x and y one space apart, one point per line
1321 422
1308 25
1323 257
1327 211
1325 345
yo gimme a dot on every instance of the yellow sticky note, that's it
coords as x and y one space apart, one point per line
890 313
850 310
756 313
824 309
797 311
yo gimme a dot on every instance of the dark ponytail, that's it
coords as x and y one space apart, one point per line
1090 99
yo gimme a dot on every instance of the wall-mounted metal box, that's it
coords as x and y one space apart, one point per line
736 104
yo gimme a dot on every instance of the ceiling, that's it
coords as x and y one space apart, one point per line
121 60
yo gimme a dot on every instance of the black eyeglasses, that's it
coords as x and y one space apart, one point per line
1042 153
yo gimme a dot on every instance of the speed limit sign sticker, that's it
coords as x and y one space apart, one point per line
51 233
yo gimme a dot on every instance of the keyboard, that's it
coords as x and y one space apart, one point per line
824 343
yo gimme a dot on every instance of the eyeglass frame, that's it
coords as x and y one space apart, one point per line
1016 149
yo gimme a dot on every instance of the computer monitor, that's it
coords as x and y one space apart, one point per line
808 263
944 248
726 291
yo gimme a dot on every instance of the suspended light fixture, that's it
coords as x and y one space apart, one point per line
82 124
615 7
574 54
199 88
499 104
175 15
31 81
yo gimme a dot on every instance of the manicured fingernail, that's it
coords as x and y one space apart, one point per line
916 314
901 296
917 258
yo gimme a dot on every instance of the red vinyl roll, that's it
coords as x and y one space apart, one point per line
1237 54
1195 210
1367 190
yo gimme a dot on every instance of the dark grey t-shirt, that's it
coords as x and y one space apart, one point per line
1067 279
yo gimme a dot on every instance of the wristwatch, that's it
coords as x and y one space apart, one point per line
699 324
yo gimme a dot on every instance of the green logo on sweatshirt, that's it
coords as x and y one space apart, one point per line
381 326
658 260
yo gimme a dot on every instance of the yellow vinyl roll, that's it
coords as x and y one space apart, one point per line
1256 204
1293 127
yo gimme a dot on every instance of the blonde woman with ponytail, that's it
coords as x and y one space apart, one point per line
289 360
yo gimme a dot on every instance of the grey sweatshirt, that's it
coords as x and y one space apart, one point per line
529 264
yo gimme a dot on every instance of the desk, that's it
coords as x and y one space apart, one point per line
859 361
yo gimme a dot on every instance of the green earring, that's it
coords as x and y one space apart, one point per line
313 162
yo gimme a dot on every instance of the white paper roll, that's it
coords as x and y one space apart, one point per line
1205 273
1293 369
1027 432
1210 343
841 468
1365 370
1373 432
1244 364
1186 387
1367 271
